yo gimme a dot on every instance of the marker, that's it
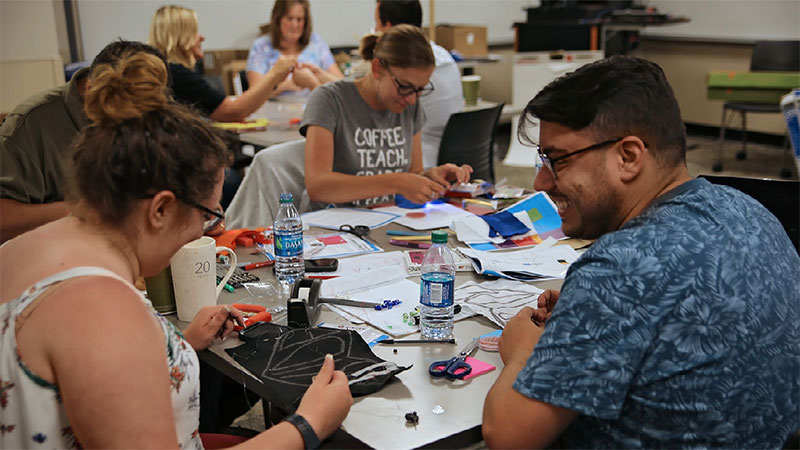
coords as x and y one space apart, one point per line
258 265
405 233
410 244
228 288
413 238
321 277
417 341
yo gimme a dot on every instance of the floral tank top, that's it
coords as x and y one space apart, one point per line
31 412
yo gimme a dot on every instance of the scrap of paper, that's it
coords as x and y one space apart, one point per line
498 300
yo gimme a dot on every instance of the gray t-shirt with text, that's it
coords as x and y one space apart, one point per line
365 141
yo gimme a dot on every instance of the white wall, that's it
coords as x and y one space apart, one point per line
29 50
232 24
731 20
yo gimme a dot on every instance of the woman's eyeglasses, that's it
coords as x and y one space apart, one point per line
212 218
404 89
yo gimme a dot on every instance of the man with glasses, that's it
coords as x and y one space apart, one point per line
447 98
678 327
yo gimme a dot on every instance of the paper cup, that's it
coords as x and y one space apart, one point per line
194 274
471 83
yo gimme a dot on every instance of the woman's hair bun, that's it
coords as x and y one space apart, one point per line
130 88
367 47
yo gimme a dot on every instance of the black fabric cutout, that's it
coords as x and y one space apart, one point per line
287 358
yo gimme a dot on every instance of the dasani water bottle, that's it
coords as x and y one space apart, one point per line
287 232
436 290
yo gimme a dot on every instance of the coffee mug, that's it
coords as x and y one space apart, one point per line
194 273
470 84
160 291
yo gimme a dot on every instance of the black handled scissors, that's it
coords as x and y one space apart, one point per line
359 230
455 367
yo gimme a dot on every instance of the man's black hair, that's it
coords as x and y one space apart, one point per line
400 11
615 97
120 48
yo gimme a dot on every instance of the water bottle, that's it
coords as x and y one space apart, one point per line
436 289
287 233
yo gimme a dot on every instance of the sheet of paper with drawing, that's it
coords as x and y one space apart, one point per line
333 218
337 245
498 300
357 265
429 217
544 262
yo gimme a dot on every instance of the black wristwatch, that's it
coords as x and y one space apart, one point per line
309 436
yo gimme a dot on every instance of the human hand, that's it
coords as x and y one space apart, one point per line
417 188
315 69
284 66
547 301
327 401
449 173
210 322
220 228
519 337
305 78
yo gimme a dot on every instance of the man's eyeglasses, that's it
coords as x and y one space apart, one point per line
550 163
212 218
404 89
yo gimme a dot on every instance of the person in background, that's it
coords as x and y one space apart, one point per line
678 328
290 35
363 140
86 361
173 30
33 146
448 97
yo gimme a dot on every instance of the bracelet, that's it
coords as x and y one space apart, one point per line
309 436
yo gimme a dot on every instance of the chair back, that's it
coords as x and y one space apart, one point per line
468 138
780 197
776 56
278 168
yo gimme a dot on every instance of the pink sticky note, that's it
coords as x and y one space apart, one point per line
478 367
332 240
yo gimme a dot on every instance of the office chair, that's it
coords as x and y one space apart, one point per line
768 56
278 168
468 138
780 197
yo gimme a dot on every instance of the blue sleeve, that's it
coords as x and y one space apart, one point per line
323 51
597 336
258 57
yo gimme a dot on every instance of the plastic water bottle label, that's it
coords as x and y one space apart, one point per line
436 293
288 243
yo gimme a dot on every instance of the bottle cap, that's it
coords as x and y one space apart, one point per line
439 237
286 197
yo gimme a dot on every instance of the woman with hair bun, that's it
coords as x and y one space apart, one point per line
85 361
363 142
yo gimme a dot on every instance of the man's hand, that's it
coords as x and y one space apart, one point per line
519 337
547 301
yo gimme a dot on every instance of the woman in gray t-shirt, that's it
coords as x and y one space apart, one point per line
363 140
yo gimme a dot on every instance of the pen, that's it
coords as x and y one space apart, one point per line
410 244
258 265
405 233
417 341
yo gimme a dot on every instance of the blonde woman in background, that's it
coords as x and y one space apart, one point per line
85 360
290 35
173 30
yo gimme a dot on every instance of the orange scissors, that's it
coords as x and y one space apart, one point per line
252 314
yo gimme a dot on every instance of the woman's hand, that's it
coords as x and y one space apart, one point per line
305 78
284 66
417 188
327 401
449 173
211 322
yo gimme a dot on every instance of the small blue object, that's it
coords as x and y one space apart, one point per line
378 307
39 438
505 224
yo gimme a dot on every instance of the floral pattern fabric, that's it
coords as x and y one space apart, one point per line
31 412
263 55
678 330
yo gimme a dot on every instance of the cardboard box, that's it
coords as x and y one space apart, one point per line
215 60
751 87
468 40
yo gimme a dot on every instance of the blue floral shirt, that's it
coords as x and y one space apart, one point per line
263 55
678 330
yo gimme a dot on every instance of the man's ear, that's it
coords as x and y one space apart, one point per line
162 210
631 153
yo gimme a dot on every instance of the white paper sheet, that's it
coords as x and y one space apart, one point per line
538 263
498 300
337 245
437 215
333 218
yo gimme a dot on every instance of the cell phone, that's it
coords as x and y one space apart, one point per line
322 265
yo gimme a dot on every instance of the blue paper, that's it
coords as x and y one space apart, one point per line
505 224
